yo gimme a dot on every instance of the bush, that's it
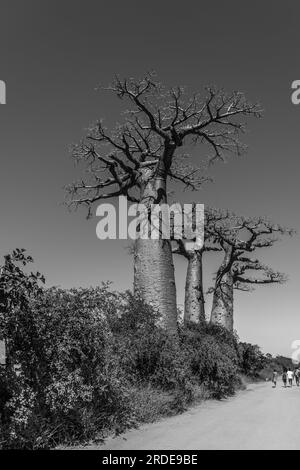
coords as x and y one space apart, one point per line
75 381
82 363
213 358
148 354
150 403
252 360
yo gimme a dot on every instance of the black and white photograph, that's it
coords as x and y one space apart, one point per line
149 237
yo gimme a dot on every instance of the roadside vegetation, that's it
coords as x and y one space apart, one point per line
85 363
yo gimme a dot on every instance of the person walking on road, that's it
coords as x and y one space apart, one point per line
290 376
297 376
274 378
284 378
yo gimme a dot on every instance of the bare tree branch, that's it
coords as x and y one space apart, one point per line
158 122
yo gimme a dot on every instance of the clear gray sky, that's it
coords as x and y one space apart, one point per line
52 56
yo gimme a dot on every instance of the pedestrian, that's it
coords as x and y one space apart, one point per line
274 378
297 376
290 376
284 378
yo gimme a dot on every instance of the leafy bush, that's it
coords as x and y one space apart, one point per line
252 360
150 403
213 358
69 375
85 362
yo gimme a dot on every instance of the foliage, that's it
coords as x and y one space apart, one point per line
252 360
159 121
88 361
278 363
213 358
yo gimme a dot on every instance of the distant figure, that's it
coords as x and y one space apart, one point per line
284 378
297 376
274 378
2 92
290 376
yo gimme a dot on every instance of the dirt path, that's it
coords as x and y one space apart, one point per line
258 418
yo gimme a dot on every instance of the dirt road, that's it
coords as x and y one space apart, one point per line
258 418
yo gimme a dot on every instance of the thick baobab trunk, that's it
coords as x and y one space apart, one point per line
194 311
222 307
154 278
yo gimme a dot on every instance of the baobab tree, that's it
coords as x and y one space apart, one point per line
194 310
259 233
193 250
138 157
241 279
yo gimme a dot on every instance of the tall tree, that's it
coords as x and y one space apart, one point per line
258 233
193 250
194 308
139 156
